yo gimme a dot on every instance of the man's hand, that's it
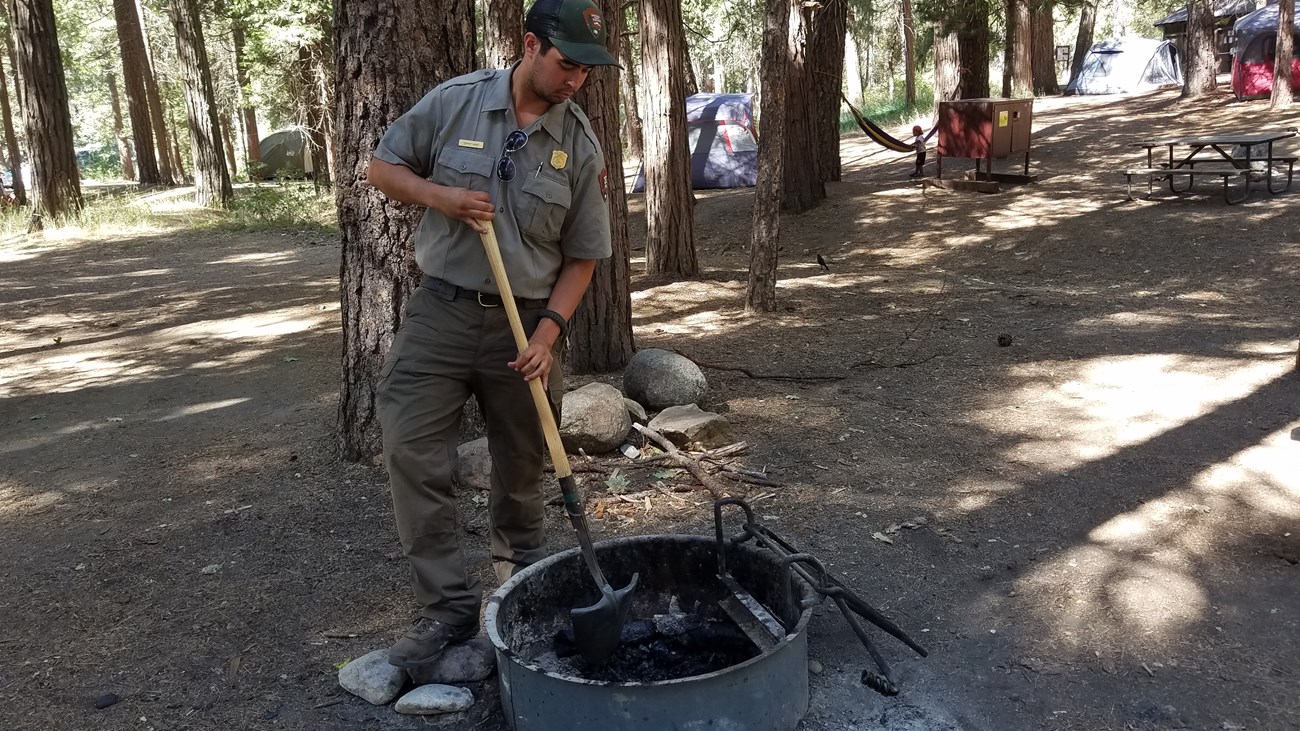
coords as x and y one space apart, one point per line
470 206
536 360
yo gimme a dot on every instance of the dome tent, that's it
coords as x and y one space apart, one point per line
284 154
1253 52
722 142
1127 65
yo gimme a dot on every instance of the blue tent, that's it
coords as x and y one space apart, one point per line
723 144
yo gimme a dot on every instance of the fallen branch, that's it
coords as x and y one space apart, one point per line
691 465
750 476
757 376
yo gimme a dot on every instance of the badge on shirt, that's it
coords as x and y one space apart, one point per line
475 144
559 159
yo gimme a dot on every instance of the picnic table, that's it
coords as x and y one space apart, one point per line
1211 155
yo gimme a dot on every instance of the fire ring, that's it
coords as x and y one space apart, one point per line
683 663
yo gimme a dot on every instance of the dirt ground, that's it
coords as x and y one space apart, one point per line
1110 502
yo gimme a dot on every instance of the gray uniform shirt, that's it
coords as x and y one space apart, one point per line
554 207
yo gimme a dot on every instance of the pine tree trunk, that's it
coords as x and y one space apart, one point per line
803 187
228 144
1199 62
1082 44
309 91
692 83
766 235
670 222
178 164
830 26
169 172
1282 74
633 132
253 139
56 182
503 32
1017 73
600 332
946 65
15 158
973 52
852 69
378 272
211 178
1044 49
123 145
909 55
131 44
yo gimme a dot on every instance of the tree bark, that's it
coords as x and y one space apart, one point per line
909 54
766 235
692 83
1082 44
1199 64
211 177
1017 73
56 183
503 31
600 332
973 50
1285 53
310 101
15 158
253 138
670 223
134 67
228 144
946 66
378 271
830 26
168 173
123 145
803 188
1044 49
633 132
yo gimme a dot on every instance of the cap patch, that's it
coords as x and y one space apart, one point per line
595 23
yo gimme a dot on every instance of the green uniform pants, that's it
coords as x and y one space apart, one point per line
447 349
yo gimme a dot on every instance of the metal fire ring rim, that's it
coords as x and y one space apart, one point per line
494 605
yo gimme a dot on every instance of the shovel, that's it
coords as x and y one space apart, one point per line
596 629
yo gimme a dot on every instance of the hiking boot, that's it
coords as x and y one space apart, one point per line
426 640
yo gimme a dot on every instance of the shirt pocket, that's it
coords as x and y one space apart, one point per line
546 202
463 168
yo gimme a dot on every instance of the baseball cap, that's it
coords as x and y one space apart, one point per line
575 27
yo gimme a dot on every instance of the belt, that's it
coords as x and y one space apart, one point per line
486 299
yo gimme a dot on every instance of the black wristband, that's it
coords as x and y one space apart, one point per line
559 320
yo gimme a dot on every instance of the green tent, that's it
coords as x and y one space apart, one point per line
285 154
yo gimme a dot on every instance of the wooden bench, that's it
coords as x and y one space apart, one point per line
1165 173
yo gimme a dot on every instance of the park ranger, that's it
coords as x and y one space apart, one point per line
507 146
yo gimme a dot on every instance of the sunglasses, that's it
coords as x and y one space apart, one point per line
514 143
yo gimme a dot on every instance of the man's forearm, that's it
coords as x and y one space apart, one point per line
575 277
401 184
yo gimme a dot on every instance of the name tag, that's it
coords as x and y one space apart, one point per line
475 144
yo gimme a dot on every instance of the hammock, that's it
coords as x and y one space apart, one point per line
880 136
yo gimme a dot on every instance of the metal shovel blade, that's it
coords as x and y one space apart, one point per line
597 628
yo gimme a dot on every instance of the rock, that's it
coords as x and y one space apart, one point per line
469 662
638 414
474 465
594 419
430 699
371 677
815 667
659 379
685 424
106 700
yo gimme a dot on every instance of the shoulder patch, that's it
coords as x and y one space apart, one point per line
604 183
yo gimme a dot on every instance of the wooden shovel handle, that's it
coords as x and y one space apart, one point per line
558 456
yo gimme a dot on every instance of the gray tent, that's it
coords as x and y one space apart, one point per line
285 154
724 148
1127 65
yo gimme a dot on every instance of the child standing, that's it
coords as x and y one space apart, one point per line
919 145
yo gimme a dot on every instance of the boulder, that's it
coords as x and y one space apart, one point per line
685 424
371 677
659 379
474 465
430 699
595 419
468 662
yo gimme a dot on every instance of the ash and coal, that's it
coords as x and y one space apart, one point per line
678 644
